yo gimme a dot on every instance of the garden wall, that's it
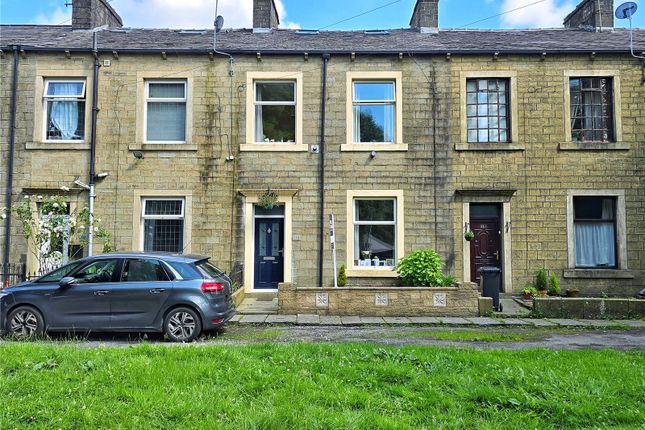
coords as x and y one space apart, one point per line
589 307
461 300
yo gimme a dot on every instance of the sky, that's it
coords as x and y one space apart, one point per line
312 14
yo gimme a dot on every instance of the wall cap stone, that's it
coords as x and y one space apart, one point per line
597 274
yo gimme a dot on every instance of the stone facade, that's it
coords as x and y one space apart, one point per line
88 14
459 301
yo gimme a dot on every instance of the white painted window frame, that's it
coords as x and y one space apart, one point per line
48 99
148 99
392 102
257 103
144 217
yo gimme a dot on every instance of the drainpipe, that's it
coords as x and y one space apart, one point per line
12 137
92 178
323 108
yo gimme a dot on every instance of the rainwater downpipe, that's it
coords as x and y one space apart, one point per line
12 136
323 108
92 178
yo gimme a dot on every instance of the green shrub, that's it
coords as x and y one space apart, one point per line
554 284
423 268
541 279
342 276
530 290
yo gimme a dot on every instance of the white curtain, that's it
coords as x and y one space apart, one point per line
388 126
259 124
357 124
64 114
596 242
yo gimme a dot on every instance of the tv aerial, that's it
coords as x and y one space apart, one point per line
219 23
626 11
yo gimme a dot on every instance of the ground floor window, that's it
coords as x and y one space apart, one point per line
162 224
375 232
595 231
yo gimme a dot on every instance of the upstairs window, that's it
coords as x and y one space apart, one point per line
592 112
275 111
487 108
374 111
595 231
64 108
163 225
165 112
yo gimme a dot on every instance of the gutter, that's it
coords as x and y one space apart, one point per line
92 178
321 232
12 138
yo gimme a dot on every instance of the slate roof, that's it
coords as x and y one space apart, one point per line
42 37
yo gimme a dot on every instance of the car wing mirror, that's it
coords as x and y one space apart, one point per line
67 281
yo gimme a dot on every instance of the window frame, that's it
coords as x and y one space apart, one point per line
169 274
46 99
507 117
391 102
147 99
257 103
620 235
610 95
395 77
250 144
612 221
514 143
568 144
399 231
144 217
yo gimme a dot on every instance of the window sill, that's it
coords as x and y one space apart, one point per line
58 146
162 147
489 147
274 147
359 147
594 146
598 274
375 272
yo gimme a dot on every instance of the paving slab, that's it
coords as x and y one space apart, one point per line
330 320
485 321
514 321
351 320
281 319
564 322
455 321
540 322
600 323
253 319
396 320
632 323
424 320
372 320
308 319
236 318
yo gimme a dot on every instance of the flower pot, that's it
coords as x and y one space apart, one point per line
527 296
573 293
544 293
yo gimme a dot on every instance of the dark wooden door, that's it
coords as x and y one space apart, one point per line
269 252
485 248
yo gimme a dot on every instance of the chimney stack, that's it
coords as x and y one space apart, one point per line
426 14
265 14
89 14
591 13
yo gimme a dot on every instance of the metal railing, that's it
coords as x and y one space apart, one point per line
14 273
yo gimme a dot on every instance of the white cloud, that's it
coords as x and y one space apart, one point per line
191 13
58 16
549 13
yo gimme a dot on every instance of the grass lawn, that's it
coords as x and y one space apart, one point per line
310 386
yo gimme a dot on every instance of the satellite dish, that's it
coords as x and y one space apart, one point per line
219 23
626 10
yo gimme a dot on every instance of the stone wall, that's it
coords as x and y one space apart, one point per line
461 300
586 307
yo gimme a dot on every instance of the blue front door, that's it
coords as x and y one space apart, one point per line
269 253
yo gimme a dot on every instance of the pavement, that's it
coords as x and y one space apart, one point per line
322 320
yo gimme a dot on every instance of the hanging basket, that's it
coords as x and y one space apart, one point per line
469 235
268 199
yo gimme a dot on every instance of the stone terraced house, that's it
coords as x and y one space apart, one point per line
532 139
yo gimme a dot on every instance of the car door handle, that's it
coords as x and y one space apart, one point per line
157 290
101 292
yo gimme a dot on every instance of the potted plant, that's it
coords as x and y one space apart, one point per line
423 269
268 199
529 292
542 282
342 276
554 285
469 235
572 292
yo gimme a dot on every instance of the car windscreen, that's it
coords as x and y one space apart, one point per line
59 273
208 269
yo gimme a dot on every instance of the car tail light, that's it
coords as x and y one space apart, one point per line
212 287
217 321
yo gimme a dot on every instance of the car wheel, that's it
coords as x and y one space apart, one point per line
182 325
25 322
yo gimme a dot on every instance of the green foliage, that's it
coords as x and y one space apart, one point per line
542 279
530 290
342 276
317 386
268 199
469 235
554 284
423 269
